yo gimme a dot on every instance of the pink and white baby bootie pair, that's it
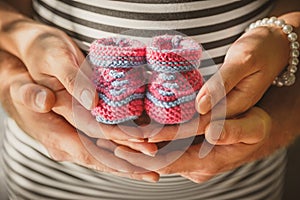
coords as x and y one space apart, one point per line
169 96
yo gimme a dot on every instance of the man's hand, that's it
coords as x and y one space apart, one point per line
197 164
54 61
30 105
251 136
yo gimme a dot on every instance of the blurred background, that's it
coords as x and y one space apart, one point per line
292 182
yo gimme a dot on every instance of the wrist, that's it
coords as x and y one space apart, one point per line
18 31
293 19
8 16
9 20
286 77
284 107
20 34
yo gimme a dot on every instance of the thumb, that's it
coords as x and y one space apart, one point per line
76 80
250 128
220 84
34 97
74 72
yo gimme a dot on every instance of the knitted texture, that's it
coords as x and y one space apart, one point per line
118 75
175 80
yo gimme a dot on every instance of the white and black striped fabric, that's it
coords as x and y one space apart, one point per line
31 174
213 23
216 24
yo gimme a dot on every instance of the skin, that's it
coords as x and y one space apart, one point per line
248 71
245 134
25 101
252 135
61 54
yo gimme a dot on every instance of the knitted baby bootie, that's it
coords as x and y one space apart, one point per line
118 66
175 80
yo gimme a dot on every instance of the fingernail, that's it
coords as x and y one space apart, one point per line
136 140
40 99
154 140
215 132
215 135
86 99
121 152
148 153
123 170
149 179
204 104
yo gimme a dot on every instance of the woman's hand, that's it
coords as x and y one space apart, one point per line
30 105
251 64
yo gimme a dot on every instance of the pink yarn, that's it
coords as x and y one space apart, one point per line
119 79
178 114
136 82
186 81
175 80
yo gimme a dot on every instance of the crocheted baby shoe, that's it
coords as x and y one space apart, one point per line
175 80
119 78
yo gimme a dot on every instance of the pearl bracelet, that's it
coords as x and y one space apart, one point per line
287 77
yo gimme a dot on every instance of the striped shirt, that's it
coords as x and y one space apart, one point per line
216 24
31 174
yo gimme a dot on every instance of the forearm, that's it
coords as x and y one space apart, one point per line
23 6
8 17
283 105
10 20
19 32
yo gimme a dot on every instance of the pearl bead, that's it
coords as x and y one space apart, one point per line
252 26
292 37
295 45
257 23
295 53
273 19
280 22
285 76
288 77
279 83
264 21
294 61
292 68
291 80
287 29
